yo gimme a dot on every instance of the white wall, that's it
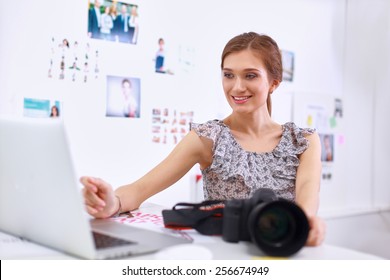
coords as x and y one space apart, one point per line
330 39
366 232
366 97
381 153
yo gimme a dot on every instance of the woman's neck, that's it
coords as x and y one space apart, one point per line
250 123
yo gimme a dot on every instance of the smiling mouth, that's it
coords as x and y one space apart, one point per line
240 98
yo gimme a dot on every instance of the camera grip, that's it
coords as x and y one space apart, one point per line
231 226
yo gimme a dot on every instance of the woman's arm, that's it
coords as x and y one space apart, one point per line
185 155
102 201
308 188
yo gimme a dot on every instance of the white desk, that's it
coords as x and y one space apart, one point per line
15 248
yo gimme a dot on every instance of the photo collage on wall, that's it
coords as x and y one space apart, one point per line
327 140
169 126
77 60
326 118
73 61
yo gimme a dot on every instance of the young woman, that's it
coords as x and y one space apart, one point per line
239 154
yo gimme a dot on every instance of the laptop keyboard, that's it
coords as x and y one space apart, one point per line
103 241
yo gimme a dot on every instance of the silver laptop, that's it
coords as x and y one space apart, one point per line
40 197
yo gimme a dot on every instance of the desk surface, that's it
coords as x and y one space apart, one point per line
203 247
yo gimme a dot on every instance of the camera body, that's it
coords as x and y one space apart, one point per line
277 226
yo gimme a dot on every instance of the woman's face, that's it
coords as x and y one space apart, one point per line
54 111
126 87
245 82
161 43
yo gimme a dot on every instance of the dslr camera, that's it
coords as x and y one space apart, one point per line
278 227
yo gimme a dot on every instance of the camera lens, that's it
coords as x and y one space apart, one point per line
278 228
275 226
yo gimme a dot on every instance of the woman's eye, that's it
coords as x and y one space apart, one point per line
251 76
228 75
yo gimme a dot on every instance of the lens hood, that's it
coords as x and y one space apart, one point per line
278 228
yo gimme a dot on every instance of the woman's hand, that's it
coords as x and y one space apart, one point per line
316 232
99 197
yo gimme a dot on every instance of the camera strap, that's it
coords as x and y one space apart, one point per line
205 217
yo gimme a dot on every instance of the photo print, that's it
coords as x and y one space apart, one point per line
113 21
161 58
169 126
288 65
338 108
73 61
123 97
327 147
41 108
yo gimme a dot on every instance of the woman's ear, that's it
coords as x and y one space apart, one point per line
274 86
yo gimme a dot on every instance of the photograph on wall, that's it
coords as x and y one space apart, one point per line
41 108
113 21
161 59
338 108
316 116
73 61
322 113
169 126
288 65
123 97
327 155
327 150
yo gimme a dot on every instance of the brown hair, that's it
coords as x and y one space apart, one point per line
263 46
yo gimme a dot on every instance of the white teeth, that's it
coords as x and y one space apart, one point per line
240 98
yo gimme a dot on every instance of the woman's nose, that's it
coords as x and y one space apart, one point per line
239 85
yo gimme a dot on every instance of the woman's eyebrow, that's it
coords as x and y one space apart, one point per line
245 69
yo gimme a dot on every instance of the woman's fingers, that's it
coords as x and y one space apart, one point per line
91 210
92 198
98 196
91 193
317 231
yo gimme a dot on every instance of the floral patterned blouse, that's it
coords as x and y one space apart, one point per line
236 173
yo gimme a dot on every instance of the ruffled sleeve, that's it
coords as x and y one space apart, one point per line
293 144
227 157
209 129
294 141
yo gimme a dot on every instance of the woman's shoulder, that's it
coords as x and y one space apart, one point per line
295 138
297 131
209 129
207 124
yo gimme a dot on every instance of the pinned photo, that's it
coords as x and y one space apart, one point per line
327 147
169 126
123 97
338 108
113 21
41 108
161 58
288 65
73 61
